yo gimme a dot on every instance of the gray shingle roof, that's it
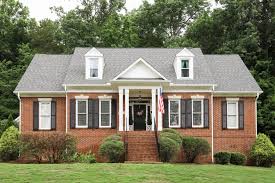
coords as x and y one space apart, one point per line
231 74
45 73
118 59
49 72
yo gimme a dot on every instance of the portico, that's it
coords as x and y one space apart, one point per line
134 96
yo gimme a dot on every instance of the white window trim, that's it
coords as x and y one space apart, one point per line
236 102
89 67
44 101
202 111
176 126
110 109
76 112
191 68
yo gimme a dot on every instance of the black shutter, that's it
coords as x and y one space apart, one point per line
96 114
114 113
206 113
241 114
90 113
53 115
35 115
72 113
188 108
166 114
183 113
224 115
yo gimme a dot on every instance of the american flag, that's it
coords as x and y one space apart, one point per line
160 103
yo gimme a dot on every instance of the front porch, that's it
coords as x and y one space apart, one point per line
138 108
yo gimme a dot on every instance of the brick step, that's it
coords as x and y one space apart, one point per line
141 150
143 158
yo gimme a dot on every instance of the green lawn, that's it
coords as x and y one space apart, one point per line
101 172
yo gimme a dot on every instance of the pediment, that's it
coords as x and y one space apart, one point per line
140 69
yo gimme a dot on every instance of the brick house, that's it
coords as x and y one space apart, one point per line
97 92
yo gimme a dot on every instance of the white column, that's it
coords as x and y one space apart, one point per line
120 115
159 114
127 109
153 108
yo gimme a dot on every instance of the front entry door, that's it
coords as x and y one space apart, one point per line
139 117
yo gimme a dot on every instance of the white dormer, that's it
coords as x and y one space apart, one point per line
94 64
183 64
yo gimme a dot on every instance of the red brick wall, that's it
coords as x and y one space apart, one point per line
234 139
27 113
90 139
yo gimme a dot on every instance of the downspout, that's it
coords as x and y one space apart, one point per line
256 116
66 116
18 96
212 125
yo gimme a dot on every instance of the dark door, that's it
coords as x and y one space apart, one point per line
139 117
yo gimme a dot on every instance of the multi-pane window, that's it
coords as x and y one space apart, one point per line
174 113
82 113
184 68
232 114
197 113
93 67
105 113
44 115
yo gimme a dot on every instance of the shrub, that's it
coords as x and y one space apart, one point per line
9 144
6 123
169 143
222 158
84 158
174 136
112 148
168 148
237 158
193 147
263 151
52 146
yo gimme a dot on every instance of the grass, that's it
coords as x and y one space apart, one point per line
102 172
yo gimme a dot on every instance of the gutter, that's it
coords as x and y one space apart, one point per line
256 115
18 96
66 109
212 124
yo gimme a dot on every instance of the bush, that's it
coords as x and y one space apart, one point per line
168 148
112 148
6 123
193 147
52 146
9 144
237 158
263 151
84 158
222 158
174 136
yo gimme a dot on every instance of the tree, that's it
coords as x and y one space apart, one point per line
14 24
46 37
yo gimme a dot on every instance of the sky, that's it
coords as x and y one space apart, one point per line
40 9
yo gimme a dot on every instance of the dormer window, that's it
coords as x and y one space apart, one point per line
184 68
94 64
183 64
93 67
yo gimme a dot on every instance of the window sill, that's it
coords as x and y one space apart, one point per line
198 127
104 127
233 129
81 127
174 126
